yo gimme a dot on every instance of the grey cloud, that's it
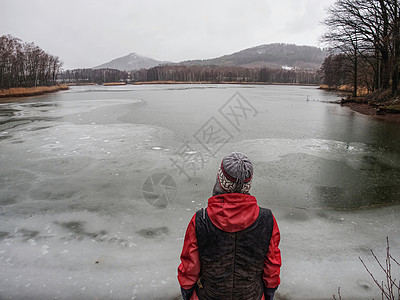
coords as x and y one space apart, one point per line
88 33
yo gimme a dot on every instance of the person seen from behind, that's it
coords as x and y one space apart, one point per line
231 248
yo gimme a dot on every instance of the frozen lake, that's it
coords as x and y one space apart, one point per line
98 184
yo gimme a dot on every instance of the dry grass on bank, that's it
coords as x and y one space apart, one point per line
347 88
114 83
31 91
361 90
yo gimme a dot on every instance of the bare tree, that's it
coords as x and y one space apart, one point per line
390 288
25 64
368 31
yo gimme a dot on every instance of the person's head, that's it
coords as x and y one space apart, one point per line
234 175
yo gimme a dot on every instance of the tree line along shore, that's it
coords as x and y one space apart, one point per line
364 38
192 74
26 69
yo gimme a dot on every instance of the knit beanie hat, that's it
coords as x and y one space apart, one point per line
234 174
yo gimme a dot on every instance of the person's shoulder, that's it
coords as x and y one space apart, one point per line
266 214
201 212
265 210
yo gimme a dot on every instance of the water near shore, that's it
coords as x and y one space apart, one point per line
97 185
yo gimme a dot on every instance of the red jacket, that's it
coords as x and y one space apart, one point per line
231 213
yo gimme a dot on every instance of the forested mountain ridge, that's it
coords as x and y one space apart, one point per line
273 56
276 55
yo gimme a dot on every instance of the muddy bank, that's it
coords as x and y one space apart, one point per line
379 105
372 111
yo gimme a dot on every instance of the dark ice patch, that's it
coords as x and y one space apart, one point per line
356 197
39 128
17 142
77 231
3 235
53 192
363 250
27 234
16 122
152 233
7 199
43 104
8 112
331 196
10 124
298 216
372 163
365 285
328 217
4 137
75 227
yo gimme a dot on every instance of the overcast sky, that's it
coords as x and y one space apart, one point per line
86 33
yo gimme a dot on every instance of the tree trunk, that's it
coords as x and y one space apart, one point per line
396 50
355 71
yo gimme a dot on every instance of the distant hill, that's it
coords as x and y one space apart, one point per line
131 62
271 56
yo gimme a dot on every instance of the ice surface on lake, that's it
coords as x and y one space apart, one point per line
75 223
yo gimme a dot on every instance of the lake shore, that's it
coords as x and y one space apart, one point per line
30 91
372 111
378 105
219 82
